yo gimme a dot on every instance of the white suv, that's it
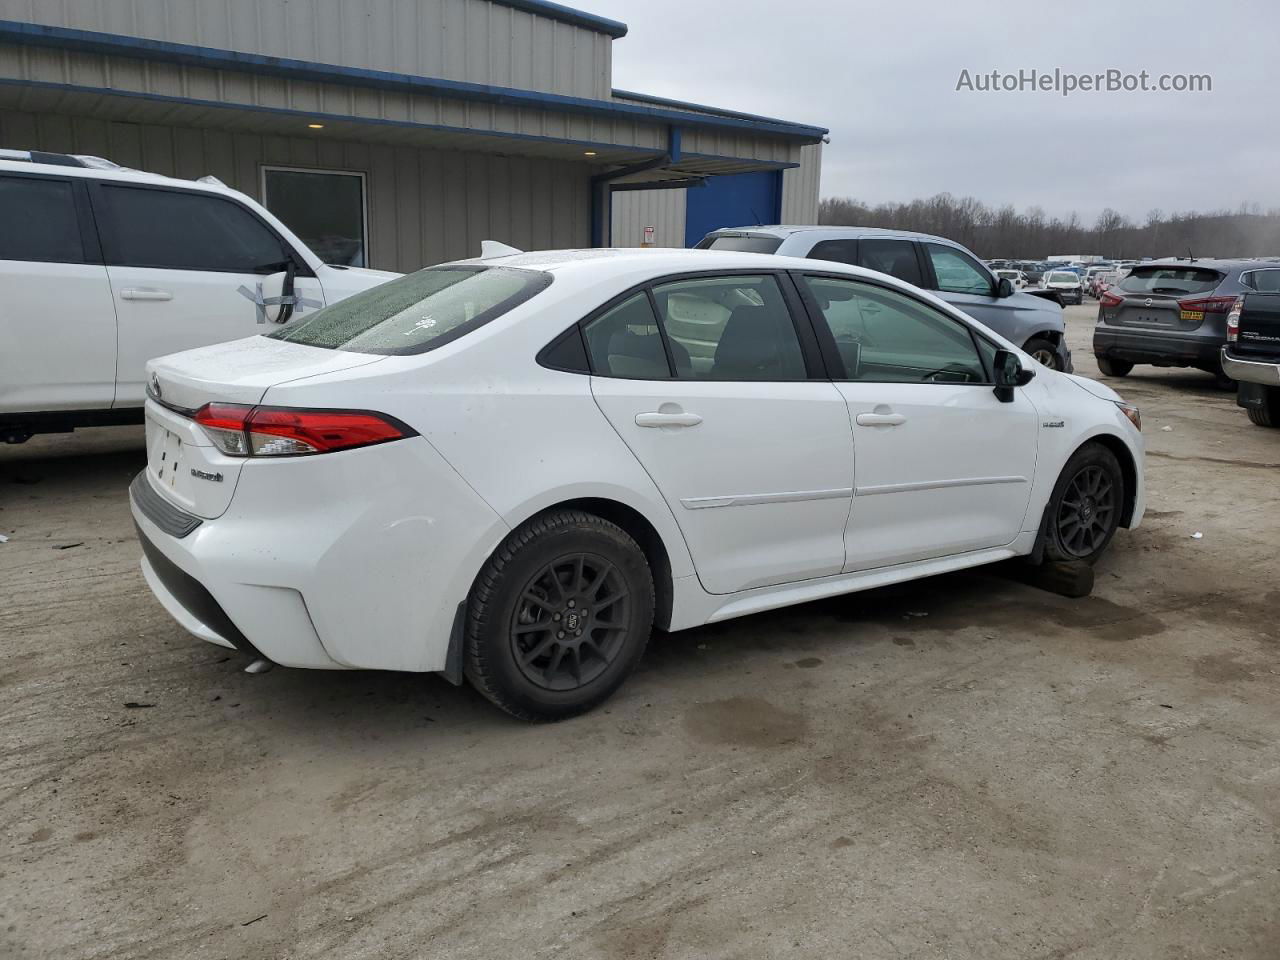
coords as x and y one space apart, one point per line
103 269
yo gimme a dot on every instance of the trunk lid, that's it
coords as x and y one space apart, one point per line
182 462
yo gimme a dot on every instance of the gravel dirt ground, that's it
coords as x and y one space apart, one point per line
964 767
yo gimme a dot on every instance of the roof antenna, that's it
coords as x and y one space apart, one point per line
1190 256
759 222
490 249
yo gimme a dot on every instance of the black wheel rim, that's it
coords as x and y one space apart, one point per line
570 621
1087 511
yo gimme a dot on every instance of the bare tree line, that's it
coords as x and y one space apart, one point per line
1033 234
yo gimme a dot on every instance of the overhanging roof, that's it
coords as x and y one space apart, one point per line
92 41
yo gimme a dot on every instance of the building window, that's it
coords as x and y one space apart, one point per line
327 209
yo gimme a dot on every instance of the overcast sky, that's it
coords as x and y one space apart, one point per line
882 76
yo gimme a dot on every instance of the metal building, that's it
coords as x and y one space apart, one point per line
396 133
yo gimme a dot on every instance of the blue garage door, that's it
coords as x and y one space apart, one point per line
733 201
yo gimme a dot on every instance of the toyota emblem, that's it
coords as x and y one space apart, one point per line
155 386
1146 302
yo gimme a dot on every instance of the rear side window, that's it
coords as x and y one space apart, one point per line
897 258
741 244
624 341
418 312
730 328
1171 280
1264 281
40 222
836 251
170 229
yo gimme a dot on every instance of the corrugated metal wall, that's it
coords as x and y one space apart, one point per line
471 40
665 209
99 72
800 187
425 206
633 210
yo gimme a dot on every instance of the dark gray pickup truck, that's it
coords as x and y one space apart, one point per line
1251 355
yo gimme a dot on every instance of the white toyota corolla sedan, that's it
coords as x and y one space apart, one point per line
511 469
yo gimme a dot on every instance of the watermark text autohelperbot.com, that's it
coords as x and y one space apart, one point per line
1066 83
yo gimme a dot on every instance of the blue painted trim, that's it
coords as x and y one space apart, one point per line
673 143
92 41
313 115
702 108
579 18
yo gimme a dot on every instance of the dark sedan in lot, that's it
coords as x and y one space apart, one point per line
1173 313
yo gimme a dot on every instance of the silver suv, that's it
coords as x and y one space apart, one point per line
931 263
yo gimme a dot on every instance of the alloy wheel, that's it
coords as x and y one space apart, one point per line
570 621
1086 512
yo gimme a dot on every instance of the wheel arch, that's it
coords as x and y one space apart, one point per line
639 526
1128 473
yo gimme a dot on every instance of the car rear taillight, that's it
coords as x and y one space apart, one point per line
239 430
1197 308
1233 320
1110 301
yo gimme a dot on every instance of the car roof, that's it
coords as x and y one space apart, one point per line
660 260
786 230
97 168
1209 263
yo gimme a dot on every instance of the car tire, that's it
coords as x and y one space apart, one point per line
1267 413
1113 368
559 616
1044 351
1084 510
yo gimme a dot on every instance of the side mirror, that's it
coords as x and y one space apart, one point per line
276 296
1009 374
1004 288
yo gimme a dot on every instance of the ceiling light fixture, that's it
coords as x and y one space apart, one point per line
315 126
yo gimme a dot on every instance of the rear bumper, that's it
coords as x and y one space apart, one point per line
1251 371
356 559
1158 347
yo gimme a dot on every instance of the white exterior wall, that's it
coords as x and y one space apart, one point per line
633 210
425 206
800 186
475 41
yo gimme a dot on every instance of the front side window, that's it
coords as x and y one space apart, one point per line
418 312
624 341
897 258
174 230
885 337
326 209
40 221
730 328
957 272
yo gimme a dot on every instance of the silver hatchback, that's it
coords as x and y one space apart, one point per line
938 265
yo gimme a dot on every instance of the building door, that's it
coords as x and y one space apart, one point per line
733 201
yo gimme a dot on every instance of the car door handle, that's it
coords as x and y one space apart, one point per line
667 419
144 293
880 419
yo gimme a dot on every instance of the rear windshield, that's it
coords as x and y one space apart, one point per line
1063 278
418 312
1173 280
741 244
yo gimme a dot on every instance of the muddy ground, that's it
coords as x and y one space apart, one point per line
964 767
